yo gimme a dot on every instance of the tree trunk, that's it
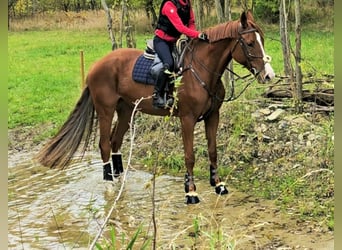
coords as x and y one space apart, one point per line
227 10
150 11
126 27
298 90
34 7
247 4
285 41
228 76
92 4
219 11
109 25
11 4
199 13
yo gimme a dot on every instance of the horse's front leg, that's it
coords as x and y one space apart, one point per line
188 125
211 125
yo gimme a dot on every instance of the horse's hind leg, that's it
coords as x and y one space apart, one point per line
105 117
211 124
124 112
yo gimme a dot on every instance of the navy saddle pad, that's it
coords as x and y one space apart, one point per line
142 71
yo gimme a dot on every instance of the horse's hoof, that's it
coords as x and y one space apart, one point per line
221 188
191 198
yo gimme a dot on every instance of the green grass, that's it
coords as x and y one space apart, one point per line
317 52
112 241
44 79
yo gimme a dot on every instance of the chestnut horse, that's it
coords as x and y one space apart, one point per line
110 88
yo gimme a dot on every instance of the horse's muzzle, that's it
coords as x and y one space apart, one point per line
269 72
266 75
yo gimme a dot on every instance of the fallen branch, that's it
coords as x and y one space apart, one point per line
323 97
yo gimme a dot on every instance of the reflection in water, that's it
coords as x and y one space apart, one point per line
52 209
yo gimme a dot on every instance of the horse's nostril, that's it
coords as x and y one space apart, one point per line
267 78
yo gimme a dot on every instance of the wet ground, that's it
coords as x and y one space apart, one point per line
52 209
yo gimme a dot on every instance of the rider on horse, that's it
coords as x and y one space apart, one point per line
176 17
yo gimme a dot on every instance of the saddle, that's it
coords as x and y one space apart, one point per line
148 63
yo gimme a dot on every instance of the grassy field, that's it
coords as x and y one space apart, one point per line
44 68
44 84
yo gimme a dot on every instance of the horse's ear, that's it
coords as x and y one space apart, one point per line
245 17
250 15
243 20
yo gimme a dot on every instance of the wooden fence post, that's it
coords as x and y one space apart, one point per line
82 70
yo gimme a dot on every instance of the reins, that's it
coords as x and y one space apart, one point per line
205 86
232 97
211 94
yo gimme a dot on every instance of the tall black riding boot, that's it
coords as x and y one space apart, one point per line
158 98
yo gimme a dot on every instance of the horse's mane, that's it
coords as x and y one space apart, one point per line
229 29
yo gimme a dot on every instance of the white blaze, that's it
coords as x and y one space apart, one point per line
269 72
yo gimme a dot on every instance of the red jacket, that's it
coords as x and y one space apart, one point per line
170 10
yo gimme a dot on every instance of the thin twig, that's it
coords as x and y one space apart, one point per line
59 233
21 233
317 171
154 245
132 133
154 174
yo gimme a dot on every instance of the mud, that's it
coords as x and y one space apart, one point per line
52 209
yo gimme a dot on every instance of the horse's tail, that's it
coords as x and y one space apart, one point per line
58 152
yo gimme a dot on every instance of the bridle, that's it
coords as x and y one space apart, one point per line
240 40
244 46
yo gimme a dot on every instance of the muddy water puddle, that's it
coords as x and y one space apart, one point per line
52 209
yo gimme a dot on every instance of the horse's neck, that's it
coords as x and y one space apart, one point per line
214 57
222 53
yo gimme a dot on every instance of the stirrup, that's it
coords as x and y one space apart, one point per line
169 101
158 102
159 105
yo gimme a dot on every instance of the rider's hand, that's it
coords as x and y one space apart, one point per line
204 37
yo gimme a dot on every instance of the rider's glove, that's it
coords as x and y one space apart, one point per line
204 37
